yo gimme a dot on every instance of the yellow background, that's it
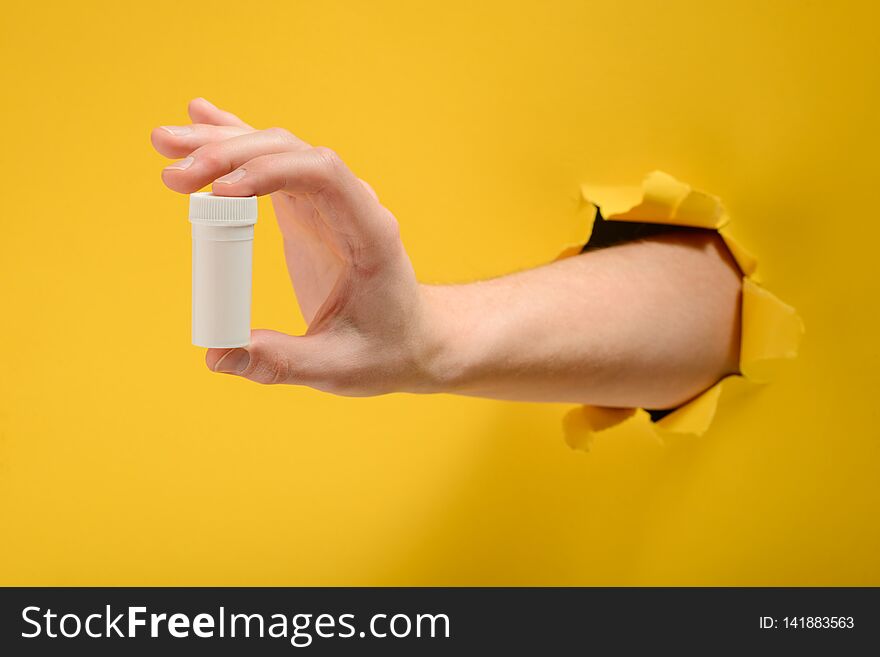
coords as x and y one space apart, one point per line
123 460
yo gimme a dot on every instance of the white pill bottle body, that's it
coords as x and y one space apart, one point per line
222 265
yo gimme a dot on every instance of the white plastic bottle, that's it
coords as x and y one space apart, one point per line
222 256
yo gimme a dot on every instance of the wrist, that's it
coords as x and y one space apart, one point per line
444 357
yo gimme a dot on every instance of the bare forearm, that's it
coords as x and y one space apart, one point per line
648 324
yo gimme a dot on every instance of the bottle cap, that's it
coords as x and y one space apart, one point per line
210 210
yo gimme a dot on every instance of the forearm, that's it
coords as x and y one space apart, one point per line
647 324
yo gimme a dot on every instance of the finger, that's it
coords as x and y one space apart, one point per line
338 194
181 140
273 357
203 111
209 162
370 189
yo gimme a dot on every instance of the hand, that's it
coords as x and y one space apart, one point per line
368 326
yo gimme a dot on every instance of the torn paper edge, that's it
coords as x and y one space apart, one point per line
771 329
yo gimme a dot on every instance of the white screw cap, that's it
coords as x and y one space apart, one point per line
210 210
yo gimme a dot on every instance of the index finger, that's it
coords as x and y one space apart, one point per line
344 203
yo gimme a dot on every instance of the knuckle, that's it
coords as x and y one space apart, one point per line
328 159
268 369
282 133
210 156
369 188
392 228
277 370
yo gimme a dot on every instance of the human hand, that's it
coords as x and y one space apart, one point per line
369 328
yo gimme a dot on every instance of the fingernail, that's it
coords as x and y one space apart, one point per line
232 177
177 130
180 165
233 361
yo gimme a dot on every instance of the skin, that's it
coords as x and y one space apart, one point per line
650 323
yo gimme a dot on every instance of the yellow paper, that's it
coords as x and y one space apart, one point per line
748 263
583 422
695 416
771 329
771 332
661 200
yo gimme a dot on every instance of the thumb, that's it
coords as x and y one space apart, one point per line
271 357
